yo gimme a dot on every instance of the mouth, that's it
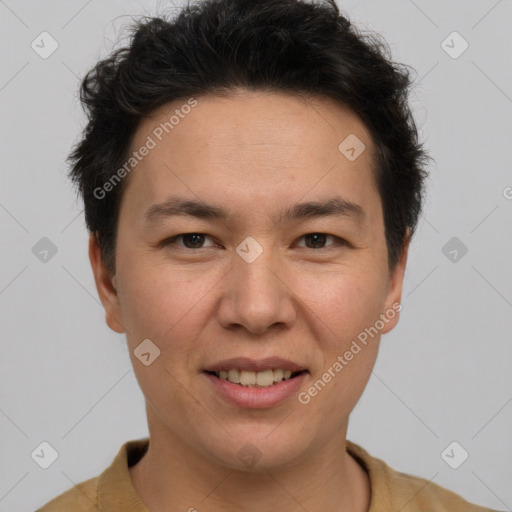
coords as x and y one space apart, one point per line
256 379
256 383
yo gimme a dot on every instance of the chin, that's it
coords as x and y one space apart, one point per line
261 453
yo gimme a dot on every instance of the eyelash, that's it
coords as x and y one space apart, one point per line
173 241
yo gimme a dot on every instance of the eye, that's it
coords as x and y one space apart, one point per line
189 241
318 240
197 241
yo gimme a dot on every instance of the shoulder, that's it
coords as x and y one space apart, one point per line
112 490
394 490
83 497
418 494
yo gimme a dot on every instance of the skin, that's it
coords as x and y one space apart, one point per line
253 153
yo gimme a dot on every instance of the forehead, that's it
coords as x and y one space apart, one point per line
249 145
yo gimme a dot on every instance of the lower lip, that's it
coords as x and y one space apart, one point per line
255 397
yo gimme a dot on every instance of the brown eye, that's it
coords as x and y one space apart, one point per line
193 240
188 241
321 241
315 240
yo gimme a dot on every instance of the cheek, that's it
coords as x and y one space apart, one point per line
347 308
345 301
147 303
169 305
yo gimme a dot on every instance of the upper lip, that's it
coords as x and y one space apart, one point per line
255 365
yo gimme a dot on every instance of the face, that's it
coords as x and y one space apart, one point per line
248 241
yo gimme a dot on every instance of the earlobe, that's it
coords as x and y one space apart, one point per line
393 304
106 286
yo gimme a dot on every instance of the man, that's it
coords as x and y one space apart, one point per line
252 177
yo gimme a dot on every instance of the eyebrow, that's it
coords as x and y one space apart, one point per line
176 206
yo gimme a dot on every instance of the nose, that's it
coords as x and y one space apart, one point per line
256 296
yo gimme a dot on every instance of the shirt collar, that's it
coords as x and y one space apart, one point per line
380 490
115 488
117 493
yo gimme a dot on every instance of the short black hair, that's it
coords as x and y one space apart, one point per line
217 46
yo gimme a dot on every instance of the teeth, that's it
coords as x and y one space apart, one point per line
250 379
278 375
247 378
234 376
265 378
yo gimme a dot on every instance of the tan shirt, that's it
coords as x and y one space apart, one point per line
391 491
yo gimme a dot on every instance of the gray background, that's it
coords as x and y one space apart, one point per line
443 375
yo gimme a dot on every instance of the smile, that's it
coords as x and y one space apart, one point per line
248 378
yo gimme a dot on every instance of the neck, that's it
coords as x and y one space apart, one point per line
173 477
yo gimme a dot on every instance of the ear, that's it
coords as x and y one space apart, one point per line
393 304
105 284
